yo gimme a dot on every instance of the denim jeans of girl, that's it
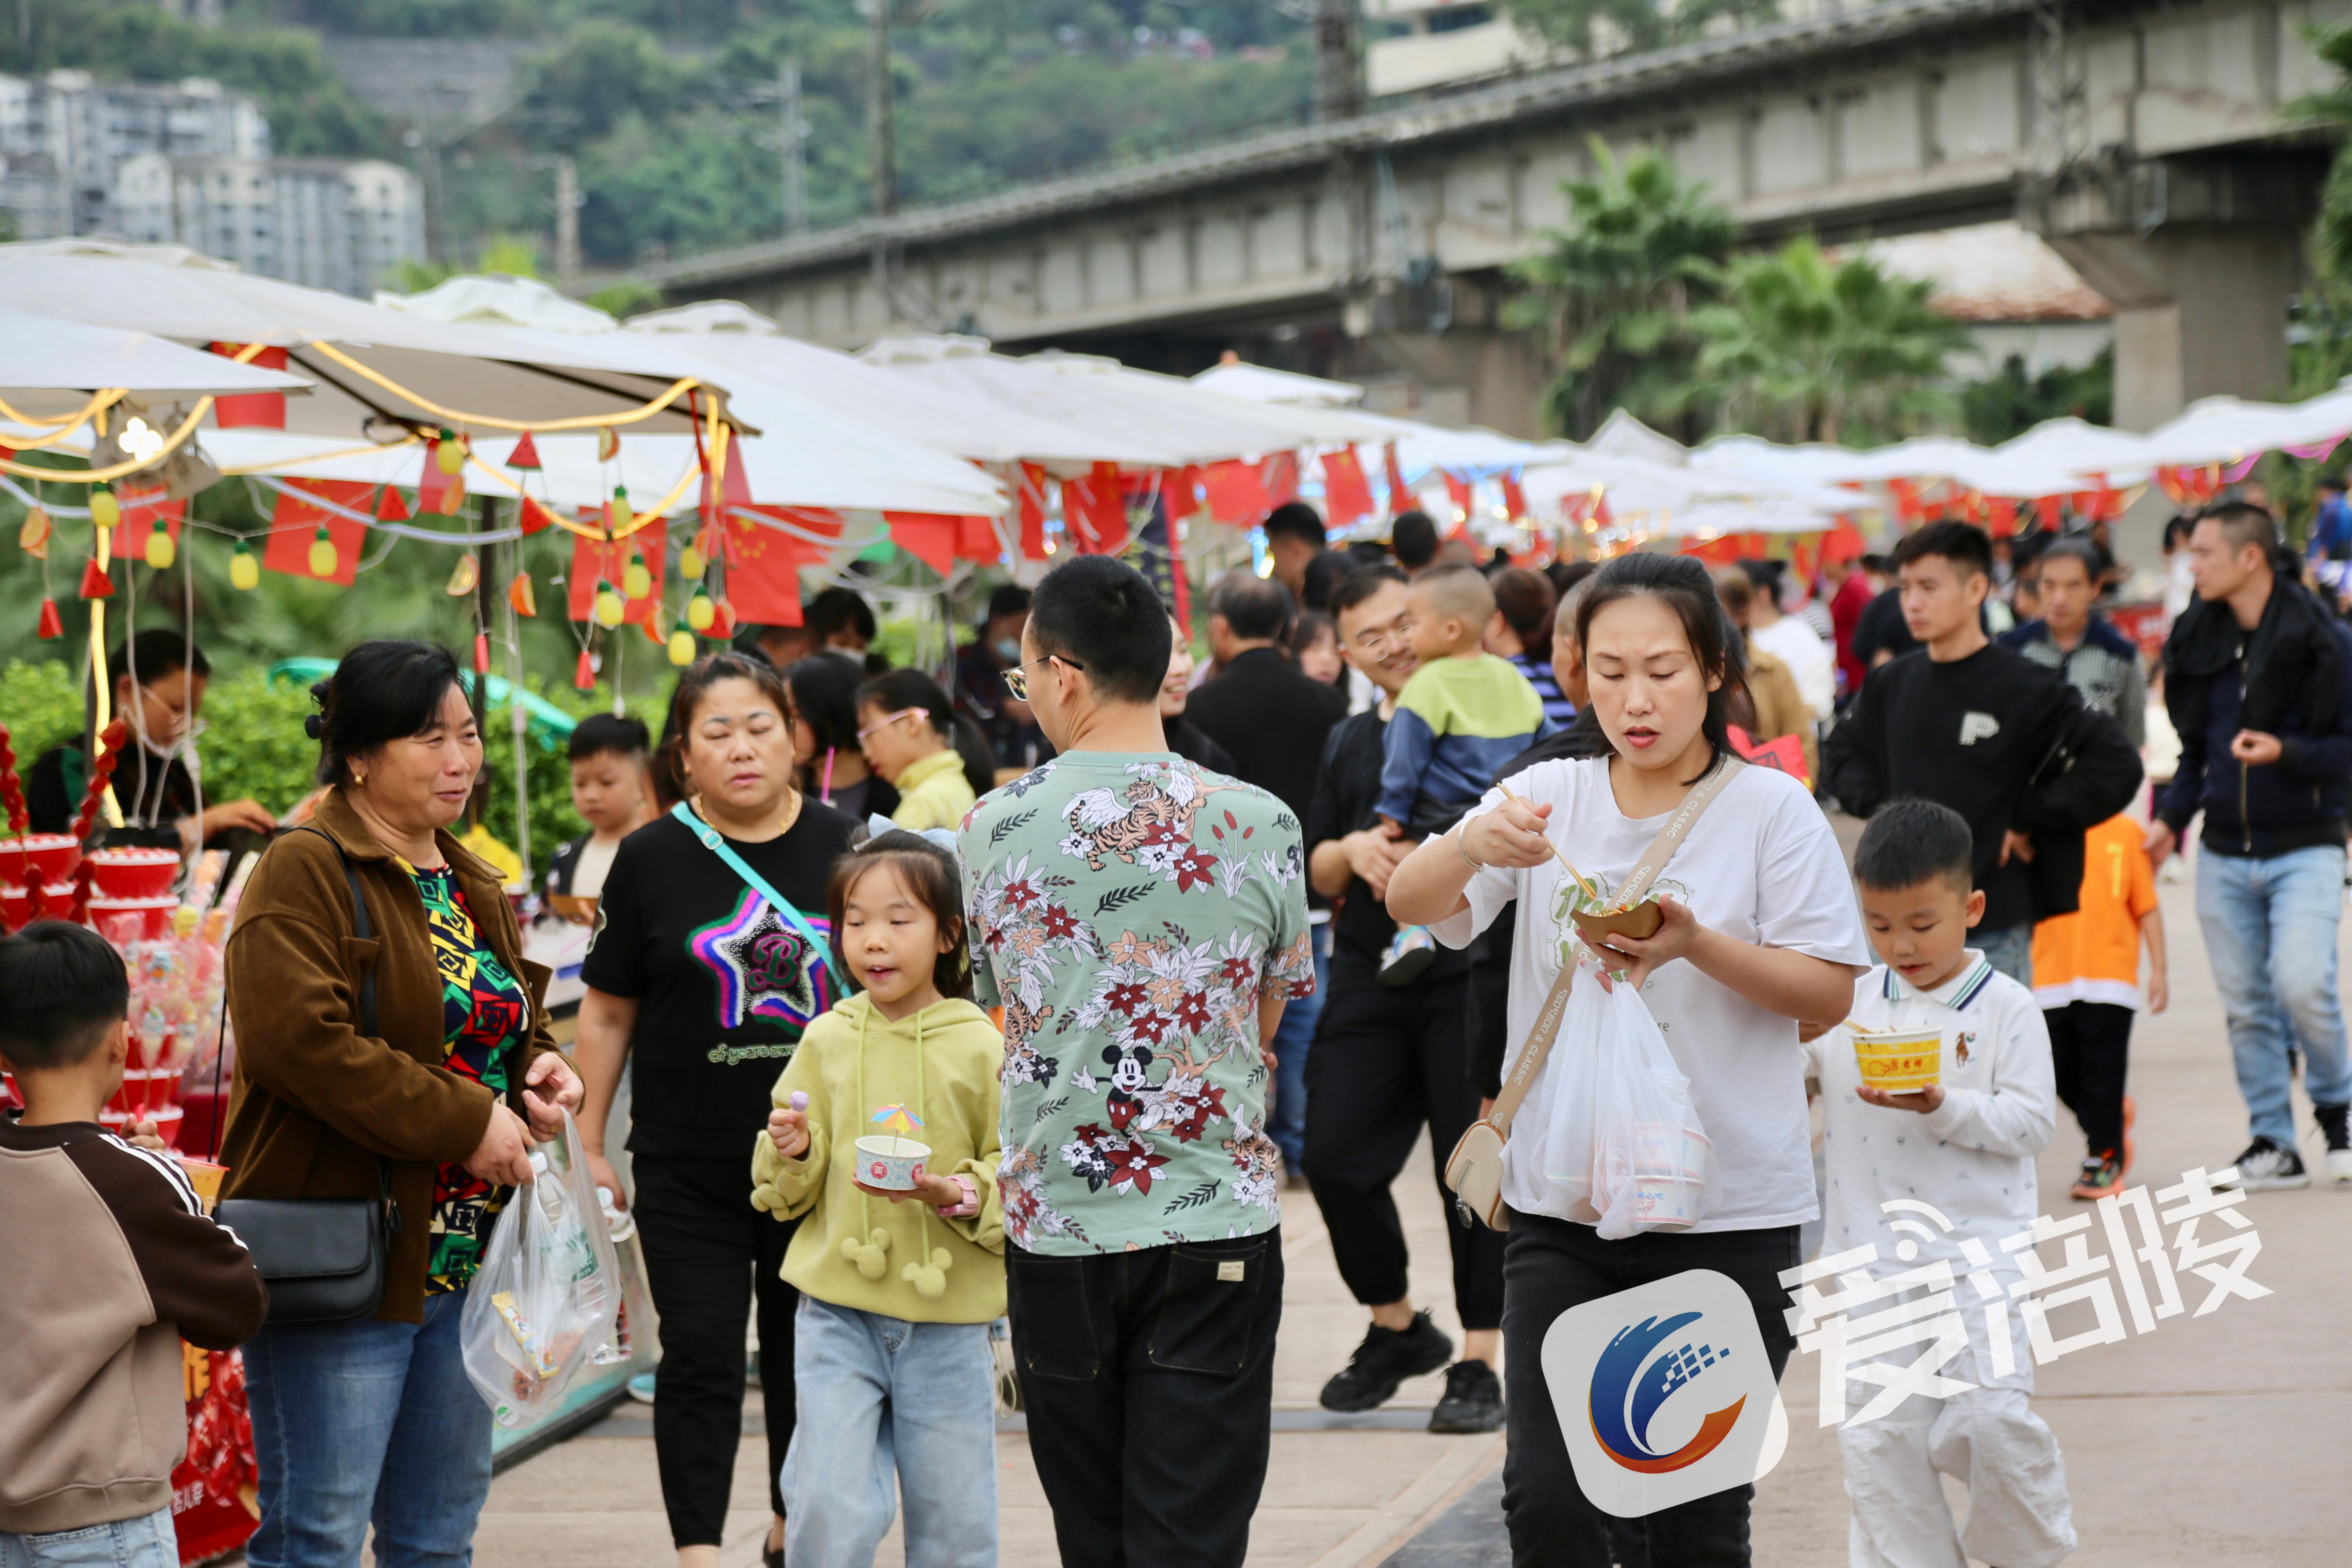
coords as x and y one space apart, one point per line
889 1408
146 1541
367 1423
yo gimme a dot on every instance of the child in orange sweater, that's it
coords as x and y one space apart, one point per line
2086 977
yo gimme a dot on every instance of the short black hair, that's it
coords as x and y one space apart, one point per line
66 987
1909 841
600 733
1323 576
2243 523
2079 549
1361 584
1964 544
380 691
838 609
1415 539
1099 614
152 655
1295 519
1254 606
1012 599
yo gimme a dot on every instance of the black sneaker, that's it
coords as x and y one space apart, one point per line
2335 1122
1472 1400
1385 1359
2266 1167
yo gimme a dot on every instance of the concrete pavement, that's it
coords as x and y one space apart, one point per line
2214 1442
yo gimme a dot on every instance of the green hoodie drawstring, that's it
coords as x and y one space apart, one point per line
929 1279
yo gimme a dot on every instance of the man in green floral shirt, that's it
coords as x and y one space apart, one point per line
1142 921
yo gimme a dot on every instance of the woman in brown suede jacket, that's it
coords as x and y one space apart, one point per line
373 1419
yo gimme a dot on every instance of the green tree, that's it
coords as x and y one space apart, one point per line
2331 232
1612 294
2008 402
1803 348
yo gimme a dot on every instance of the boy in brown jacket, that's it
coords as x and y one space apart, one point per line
112 1262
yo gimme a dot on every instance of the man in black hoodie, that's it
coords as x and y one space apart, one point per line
2258 680
2006 743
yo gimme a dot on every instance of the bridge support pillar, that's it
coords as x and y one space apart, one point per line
2199 311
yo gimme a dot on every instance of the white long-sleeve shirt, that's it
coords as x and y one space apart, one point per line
1972 1156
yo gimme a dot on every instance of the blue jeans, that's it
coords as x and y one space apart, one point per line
147 1541
1287 1124
2270 929
881 1399
367 1423
2009 950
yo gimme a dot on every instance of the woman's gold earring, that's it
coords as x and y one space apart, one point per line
359 779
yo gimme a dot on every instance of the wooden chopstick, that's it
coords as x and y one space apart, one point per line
1590 890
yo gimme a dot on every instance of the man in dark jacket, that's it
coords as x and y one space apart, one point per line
2258 680
2077 641
1274 720
1388 1061
2003 740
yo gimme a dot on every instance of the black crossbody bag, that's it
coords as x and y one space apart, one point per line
324 1260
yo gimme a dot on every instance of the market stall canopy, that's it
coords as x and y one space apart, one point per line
1287 423
1097 403
1261 383
377 370
51 367
743 343
2228 431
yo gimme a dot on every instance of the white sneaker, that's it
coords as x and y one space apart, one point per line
2266 1167
2338 1169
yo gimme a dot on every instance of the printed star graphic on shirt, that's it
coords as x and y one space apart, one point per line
763 967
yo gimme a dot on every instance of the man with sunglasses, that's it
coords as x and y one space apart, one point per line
157 682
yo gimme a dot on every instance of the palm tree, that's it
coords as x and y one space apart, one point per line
1612 294
1807 349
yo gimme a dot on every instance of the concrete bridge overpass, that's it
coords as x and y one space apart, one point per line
2141 137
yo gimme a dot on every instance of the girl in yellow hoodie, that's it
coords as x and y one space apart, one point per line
908 728
897 1289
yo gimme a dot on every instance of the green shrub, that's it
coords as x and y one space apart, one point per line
39 704
254 745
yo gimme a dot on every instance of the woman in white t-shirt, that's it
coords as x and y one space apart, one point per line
1760 930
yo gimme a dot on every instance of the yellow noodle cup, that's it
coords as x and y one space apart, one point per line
1900 1061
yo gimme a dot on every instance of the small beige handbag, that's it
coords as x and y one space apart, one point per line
1474 1170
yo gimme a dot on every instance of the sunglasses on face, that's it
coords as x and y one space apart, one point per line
1016 680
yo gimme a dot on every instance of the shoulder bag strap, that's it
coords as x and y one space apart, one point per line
1636 887
716 844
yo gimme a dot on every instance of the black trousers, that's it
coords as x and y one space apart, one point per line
701 1238
1551 1265
1148 1377
1385 1062
2090 1047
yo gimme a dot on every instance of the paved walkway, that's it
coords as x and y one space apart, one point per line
2213 1442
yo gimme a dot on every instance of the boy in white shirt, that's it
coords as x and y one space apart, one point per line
1964 1145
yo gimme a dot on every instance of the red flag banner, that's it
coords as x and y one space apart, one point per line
1786 755
1281 479
929 536
1236 493
1400 498
1032 511
438 493
1515 499
1094 511
595 560
1458 491
734 486
1346 498
141 514
294 524
763 579
252 410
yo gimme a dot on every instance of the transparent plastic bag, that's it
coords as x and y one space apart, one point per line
548 1293
1562 1153
1653 1164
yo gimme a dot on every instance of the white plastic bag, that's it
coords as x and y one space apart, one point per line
1653 1165
1562 1153
548 1292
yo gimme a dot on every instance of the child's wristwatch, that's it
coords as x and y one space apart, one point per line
969 1207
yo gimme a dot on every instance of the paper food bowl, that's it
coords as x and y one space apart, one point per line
1900 1061
1597 926
894 1164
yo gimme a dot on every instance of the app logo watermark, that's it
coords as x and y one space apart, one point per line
1665 1393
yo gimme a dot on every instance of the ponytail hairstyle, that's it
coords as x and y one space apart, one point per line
1687 589
928 872
900 689
380 691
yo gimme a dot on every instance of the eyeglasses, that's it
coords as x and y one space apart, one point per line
1016 680
1373 641
885 722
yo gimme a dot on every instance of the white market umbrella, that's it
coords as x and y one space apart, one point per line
350 348
1261 383
52 366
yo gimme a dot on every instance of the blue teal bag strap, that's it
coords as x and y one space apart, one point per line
716 844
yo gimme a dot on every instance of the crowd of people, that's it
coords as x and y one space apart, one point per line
1131 940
